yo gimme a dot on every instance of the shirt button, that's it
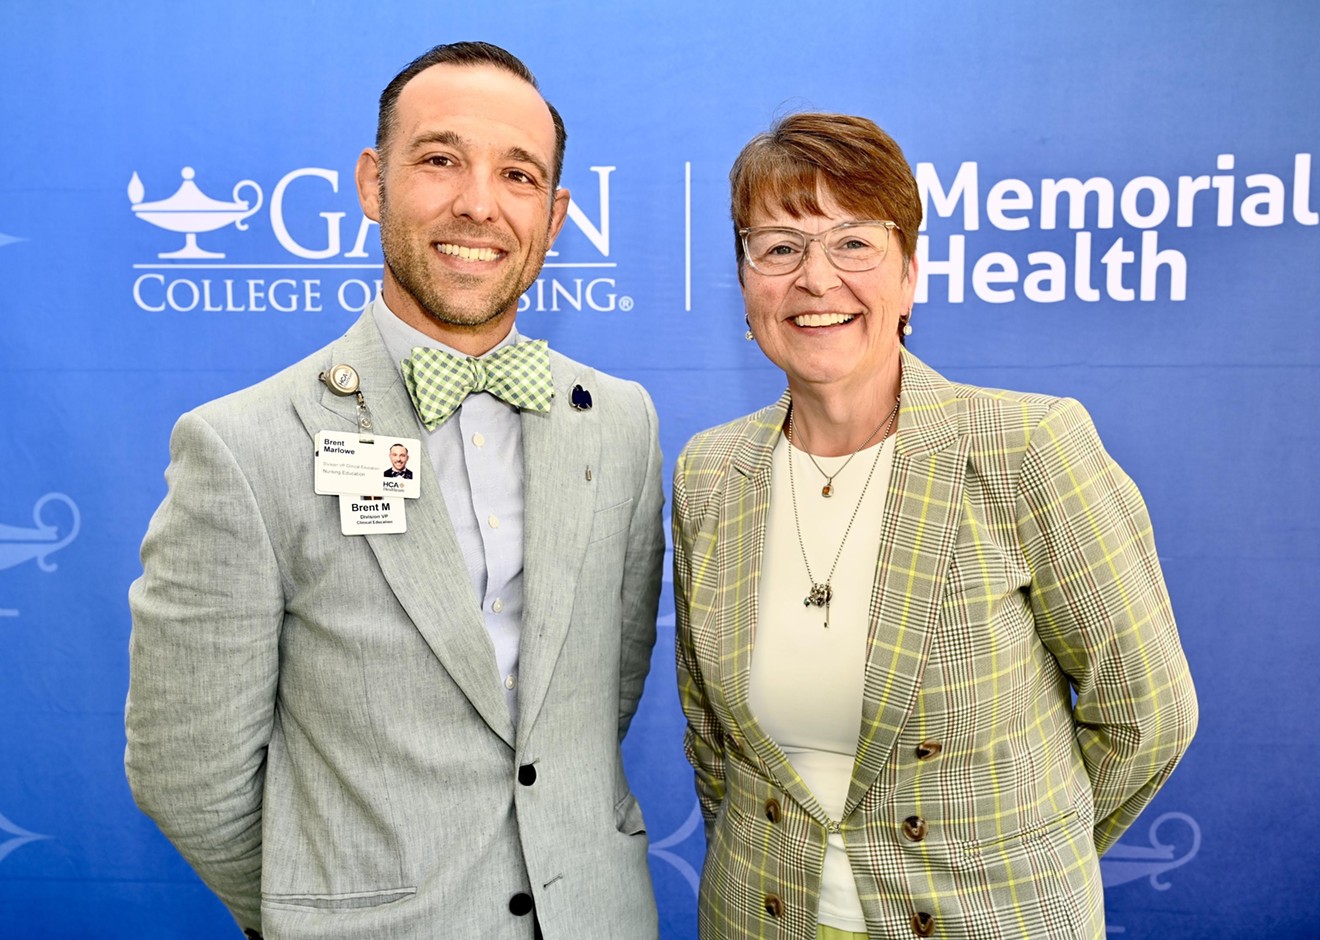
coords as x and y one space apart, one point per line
494 521
497 606
479 439
509 683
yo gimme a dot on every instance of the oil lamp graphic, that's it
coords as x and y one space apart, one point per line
19 544
192 212
1124 862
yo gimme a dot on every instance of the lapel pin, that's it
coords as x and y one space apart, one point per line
580 399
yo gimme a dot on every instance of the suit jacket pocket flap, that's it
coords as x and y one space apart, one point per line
611 519
341 902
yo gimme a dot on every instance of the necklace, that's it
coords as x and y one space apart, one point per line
828 489
821 592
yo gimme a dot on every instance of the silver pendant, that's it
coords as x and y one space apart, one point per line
819 597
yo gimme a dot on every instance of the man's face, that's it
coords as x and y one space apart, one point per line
398 457
464 200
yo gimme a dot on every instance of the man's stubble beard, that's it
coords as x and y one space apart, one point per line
409 265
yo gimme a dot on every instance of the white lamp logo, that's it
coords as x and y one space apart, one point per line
192 212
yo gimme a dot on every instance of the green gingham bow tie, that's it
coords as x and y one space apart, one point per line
439 381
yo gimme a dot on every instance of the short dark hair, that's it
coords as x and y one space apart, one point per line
847 156
464 53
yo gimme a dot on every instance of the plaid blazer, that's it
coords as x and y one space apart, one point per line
1016 569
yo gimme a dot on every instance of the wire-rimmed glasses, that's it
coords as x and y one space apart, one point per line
849 246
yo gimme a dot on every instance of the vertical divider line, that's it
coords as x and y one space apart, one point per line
687 236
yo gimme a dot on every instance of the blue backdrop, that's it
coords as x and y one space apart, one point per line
1122 207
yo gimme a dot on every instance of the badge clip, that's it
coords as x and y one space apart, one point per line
342 379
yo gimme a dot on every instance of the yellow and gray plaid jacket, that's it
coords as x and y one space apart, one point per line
1016 569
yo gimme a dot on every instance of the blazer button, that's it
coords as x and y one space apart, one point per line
772 810
923 925
928 749
914 828
527 775
520 904
773 905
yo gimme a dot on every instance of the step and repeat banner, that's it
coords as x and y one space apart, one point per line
1123 206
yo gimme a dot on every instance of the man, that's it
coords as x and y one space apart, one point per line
398 463
413 733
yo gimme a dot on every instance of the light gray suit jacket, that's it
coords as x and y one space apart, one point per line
316 720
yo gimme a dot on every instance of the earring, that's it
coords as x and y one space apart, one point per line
907 323
748 335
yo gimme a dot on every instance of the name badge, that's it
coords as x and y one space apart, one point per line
348 466
371 515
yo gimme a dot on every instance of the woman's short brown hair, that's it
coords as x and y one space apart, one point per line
849 157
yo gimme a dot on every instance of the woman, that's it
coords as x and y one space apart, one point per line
890 587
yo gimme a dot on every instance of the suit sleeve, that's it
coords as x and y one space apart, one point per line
643 569
703 738
1101 607
203 666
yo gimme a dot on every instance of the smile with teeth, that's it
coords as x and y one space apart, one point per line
822 319
463 253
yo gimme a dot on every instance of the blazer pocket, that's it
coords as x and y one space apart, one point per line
1043 873
339 902
611 520
1010 841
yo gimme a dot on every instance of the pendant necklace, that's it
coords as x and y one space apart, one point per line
821 592
828 489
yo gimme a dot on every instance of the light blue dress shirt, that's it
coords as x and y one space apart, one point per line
478 459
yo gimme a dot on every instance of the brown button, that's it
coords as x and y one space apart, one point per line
928 749
772 810
773 905
914 827
923 925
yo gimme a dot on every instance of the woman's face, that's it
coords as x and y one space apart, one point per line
822 326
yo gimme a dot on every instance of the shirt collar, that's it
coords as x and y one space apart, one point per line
400 338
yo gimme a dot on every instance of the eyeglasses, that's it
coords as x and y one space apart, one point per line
850 246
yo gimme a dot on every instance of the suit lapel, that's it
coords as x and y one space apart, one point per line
740 544
559 502
918 534
424 566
